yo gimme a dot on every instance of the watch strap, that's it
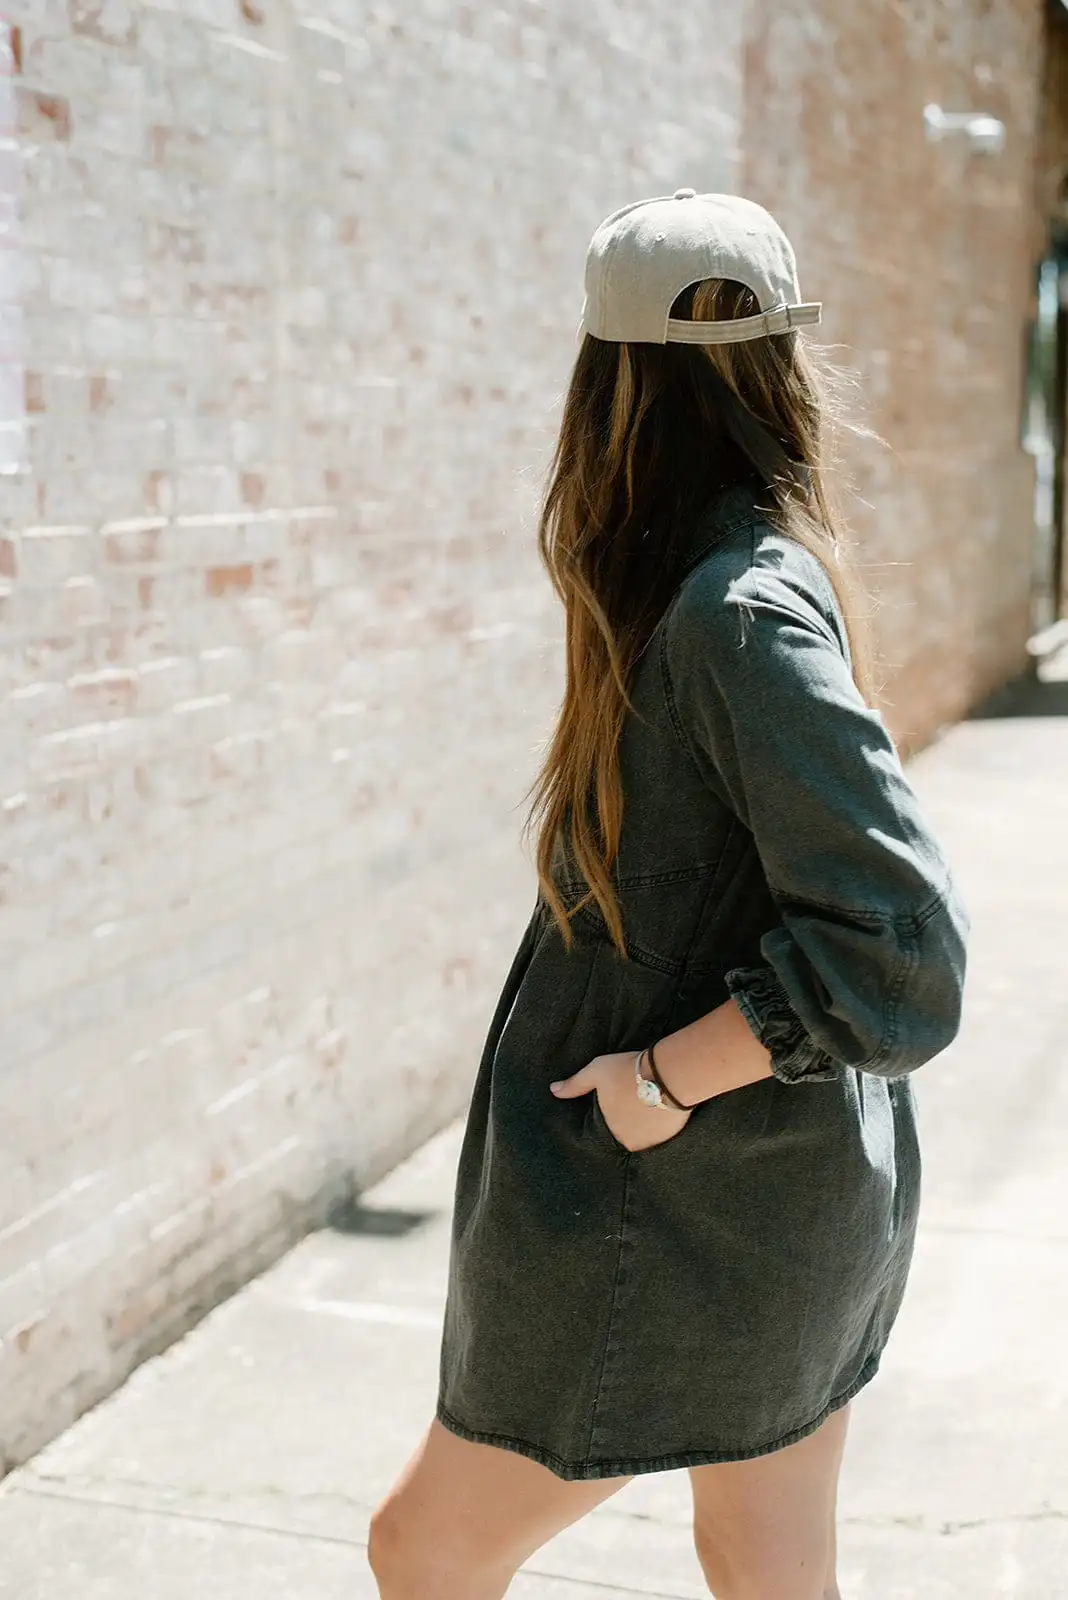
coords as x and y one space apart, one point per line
672 1100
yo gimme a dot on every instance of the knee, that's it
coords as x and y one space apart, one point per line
752 1570
410 1561
385 1546
394 1554
718 1569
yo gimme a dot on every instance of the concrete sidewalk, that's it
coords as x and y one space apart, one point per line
245 1461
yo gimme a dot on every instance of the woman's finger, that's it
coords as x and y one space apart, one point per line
580 1082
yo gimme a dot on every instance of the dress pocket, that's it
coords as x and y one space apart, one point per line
599 1129
602 1133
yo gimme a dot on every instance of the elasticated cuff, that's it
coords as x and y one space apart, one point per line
766 1007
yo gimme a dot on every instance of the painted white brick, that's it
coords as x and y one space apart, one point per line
48 555
225 669
23 1298
39 707
165 682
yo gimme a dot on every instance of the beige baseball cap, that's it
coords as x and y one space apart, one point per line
642 257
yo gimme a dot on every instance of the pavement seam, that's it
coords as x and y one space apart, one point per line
1014 1235
179 1514
82 1486
88 1489
182 1514
955 1525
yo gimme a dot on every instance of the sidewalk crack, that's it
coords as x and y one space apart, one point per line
949 1526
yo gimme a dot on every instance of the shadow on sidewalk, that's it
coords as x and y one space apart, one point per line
382 1222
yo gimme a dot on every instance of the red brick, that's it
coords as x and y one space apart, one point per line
158 490
44 116
229 580
105 21
253 488
99 392
131 545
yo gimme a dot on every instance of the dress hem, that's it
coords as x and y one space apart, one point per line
578 1470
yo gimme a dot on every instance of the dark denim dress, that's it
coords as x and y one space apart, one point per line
716 1297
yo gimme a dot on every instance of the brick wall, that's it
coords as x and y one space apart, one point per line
286 301
923 254
288 292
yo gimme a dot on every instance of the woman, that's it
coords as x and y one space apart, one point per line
688 1189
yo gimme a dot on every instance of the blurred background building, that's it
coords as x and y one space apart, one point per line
288 295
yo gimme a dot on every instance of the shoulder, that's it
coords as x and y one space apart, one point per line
743 592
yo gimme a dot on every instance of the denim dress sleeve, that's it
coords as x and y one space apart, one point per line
866 968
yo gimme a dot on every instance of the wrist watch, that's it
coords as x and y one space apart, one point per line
648 1092
654 1091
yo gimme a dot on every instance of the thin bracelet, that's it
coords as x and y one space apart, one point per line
648 1093
679 1105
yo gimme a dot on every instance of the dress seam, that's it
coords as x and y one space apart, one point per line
612 1304
630 1467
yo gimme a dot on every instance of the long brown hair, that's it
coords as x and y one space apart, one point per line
643 448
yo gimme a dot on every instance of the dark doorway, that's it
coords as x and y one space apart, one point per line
1045 428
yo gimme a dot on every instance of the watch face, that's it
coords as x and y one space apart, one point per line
649 1093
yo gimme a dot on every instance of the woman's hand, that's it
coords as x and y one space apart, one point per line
611 1078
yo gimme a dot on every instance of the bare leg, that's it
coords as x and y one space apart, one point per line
831 1590
462 1517
766 1528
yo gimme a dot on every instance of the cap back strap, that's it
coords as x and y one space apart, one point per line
738 330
